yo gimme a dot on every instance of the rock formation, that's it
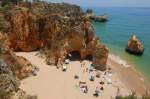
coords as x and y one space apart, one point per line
12 69
91 15
56 28
134 46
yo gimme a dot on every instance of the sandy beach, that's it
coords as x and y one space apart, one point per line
132 78
51 82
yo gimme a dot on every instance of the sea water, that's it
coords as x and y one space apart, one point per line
122 23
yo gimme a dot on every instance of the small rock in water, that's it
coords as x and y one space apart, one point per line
134 46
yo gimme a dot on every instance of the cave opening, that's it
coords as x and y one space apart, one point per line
75 56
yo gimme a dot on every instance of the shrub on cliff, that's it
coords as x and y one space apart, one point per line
3 24
6 2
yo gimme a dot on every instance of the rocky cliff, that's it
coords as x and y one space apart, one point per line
56 28
134 46
12 69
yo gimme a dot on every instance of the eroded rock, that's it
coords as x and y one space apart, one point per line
134 46
12 69
57 28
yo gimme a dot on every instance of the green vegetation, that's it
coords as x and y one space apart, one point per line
3 24
6 2
146 96
133 96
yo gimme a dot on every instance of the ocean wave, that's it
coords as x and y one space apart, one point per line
119 60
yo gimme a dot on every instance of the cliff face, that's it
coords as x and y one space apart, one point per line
12 69
134 46
57 28
23 33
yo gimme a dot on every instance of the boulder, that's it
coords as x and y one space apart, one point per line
134 46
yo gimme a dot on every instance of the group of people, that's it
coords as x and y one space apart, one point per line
92 74
91 71
98 90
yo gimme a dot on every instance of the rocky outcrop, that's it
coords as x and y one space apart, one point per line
77 37
100 18
56 28
134 46
23 33
91 15
12 69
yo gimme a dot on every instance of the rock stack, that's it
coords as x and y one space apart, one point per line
134 46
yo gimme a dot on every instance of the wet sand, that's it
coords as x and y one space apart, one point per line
131 78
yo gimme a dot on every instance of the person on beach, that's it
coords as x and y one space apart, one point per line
92 75
67 61
91 67
83 87
64 67
97 91
101 90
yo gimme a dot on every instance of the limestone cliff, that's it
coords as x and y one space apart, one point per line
12 69
57 28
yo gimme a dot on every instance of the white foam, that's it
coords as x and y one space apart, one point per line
118 60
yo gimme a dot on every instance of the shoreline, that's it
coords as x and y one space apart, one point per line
129 75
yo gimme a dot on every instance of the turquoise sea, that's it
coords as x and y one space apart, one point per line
123 22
